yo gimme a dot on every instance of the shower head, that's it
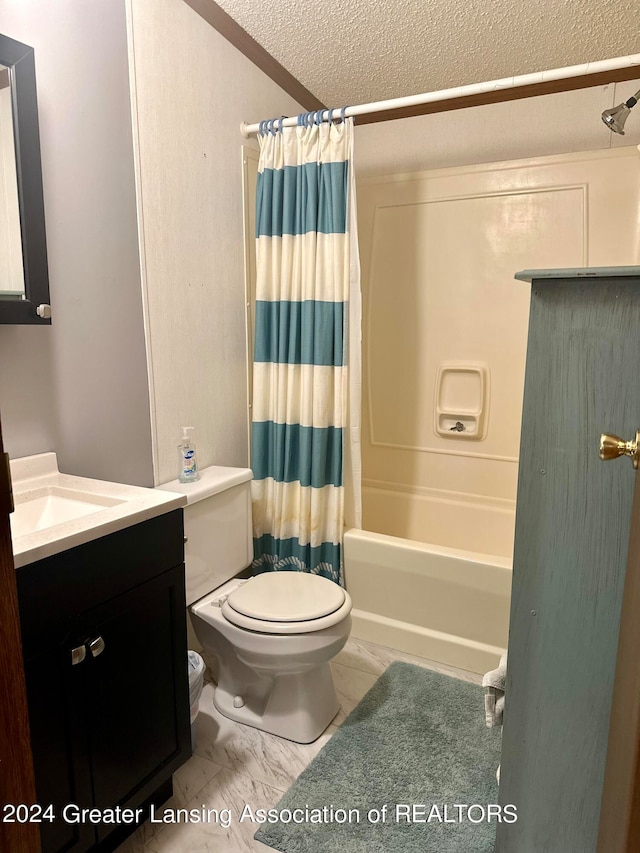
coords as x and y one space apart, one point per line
616 116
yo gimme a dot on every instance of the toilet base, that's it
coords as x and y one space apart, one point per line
299 707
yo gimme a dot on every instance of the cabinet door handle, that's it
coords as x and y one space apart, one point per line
96 646
78 655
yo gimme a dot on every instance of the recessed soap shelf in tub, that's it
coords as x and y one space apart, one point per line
462 400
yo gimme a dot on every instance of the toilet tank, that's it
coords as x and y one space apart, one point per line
217 527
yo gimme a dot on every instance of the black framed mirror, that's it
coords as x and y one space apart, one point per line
24 276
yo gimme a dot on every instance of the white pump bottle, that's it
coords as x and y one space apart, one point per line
188 472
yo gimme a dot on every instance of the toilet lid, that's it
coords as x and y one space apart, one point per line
287 597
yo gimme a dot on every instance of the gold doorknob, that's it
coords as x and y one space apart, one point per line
612 446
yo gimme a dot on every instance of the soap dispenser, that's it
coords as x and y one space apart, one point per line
188 472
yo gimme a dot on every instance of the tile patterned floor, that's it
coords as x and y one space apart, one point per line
234 765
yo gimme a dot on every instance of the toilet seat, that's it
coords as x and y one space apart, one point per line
287 597
286 603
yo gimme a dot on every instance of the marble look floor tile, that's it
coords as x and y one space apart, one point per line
134 844
234 765
351 685
367 657
454 672
188 781
227 790
137 843
373 658
191 778
267 758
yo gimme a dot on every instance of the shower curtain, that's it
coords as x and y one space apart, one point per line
305 440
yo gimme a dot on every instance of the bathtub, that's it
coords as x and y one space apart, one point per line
449 604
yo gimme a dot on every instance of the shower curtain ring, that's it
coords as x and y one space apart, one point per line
271 130
330 116
319 117
279 128
342 113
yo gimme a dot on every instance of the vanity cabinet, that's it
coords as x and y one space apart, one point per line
104 638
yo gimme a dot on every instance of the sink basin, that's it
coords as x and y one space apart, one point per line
55 512
49 506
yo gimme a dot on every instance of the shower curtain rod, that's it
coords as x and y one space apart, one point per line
475 94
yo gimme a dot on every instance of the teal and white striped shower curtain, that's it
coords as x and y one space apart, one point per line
306 373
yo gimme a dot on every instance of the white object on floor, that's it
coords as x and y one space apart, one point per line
273 635
195 666
494 685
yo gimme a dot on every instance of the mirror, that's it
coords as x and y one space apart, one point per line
11 268
24 278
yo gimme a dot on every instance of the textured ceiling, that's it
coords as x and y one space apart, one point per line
357 51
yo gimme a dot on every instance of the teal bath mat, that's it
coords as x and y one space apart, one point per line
411 770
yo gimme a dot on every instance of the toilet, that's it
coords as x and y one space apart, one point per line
274 634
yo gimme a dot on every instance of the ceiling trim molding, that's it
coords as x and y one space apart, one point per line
216 17
551 87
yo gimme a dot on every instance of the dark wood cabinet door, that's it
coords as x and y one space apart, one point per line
137 694
111 729
60 749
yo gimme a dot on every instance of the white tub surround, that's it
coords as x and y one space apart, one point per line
445 604
437 517
55 511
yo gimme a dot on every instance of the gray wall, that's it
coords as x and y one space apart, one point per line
80 386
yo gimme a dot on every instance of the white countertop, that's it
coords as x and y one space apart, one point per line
212 480
105 507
